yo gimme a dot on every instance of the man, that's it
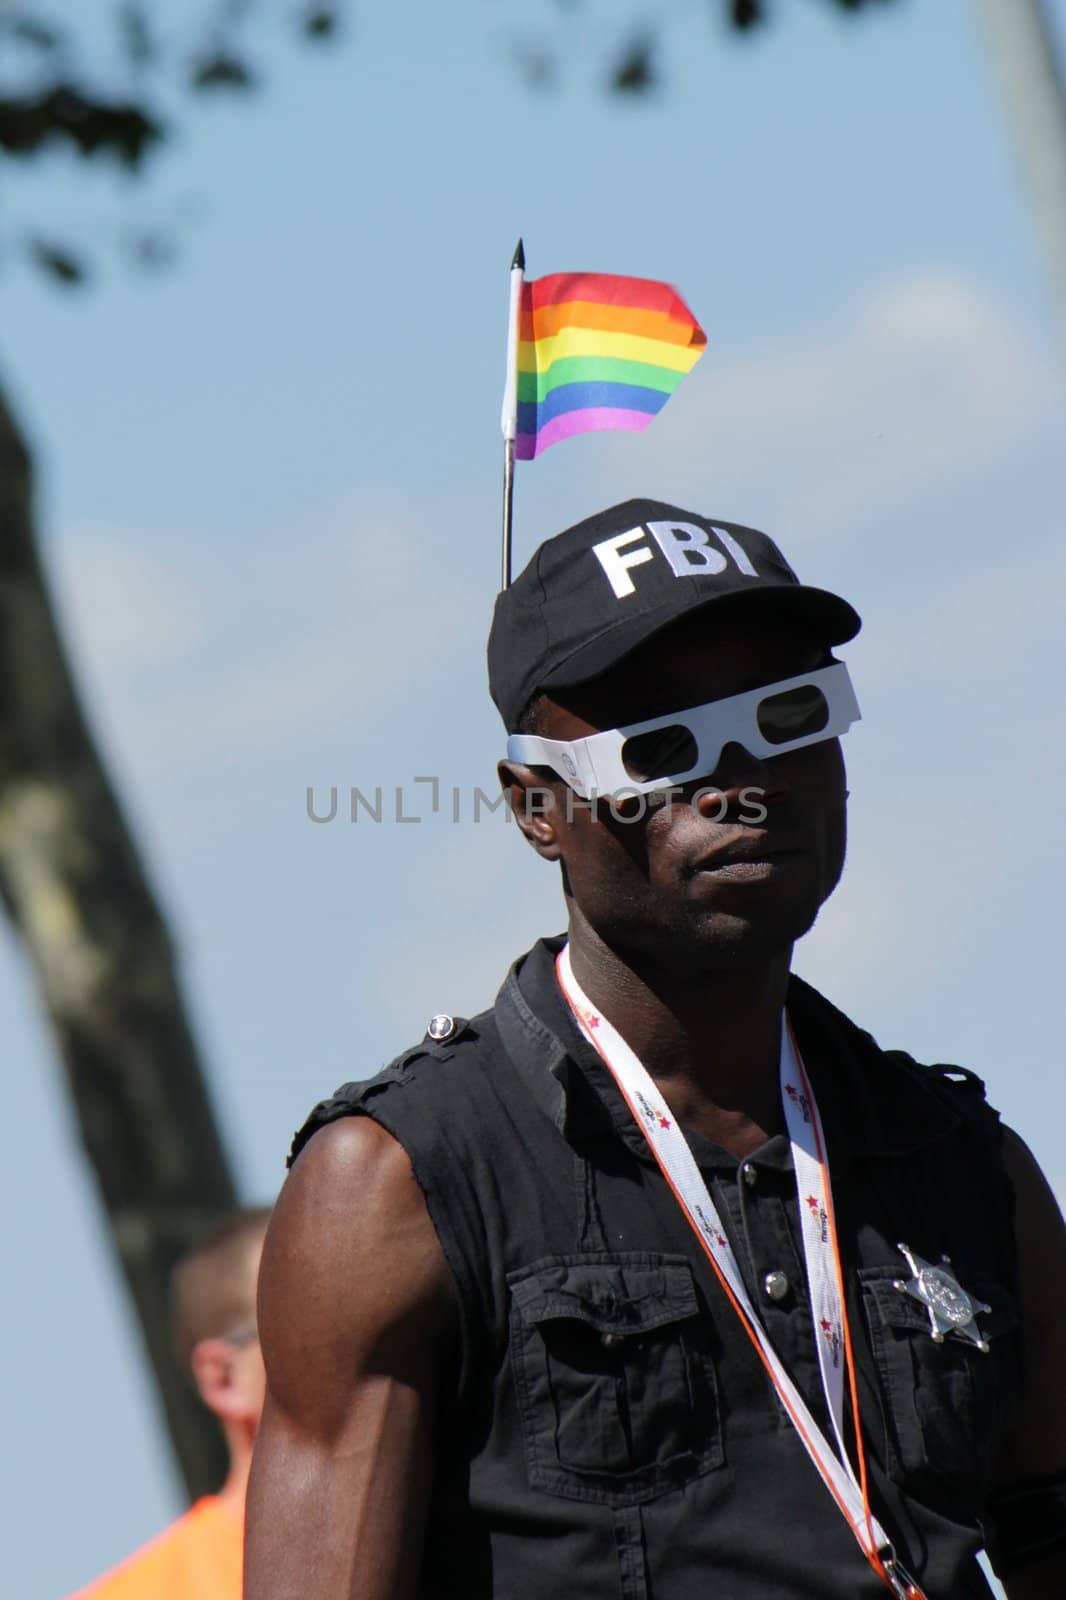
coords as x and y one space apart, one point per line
525 1338
213 1309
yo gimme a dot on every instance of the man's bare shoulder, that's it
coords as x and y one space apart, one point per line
449 1071
1040 1233
356 1323
1038 1445
351 1153
351 1257
1027 1178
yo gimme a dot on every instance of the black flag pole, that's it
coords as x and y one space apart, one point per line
509 417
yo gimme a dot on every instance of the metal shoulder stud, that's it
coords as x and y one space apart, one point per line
950 1308
441 1027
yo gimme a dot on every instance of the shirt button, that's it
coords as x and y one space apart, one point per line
749 1174
776 1285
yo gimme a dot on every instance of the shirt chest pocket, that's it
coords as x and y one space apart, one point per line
946 1404
614 1382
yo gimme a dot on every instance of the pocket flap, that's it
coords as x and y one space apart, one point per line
622 1295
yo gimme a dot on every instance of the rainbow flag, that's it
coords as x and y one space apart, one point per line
598 351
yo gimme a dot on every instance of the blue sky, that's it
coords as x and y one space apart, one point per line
269 501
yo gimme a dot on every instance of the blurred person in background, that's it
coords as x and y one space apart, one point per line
213 1307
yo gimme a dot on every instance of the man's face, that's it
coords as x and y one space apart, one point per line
699 886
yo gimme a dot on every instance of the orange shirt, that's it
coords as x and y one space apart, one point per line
196 1558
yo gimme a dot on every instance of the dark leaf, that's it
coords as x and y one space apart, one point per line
59 263
222 71
634 73
746 13
64 115
320 22
37 34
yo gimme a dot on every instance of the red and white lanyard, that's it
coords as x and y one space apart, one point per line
832 1335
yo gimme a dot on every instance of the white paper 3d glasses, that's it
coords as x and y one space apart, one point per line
672 749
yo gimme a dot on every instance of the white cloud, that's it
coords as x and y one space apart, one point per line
965 684
925 380
195 662
129 611
982 627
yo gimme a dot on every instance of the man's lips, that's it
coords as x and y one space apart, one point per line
747 850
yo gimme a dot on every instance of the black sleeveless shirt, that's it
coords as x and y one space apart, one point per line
609 1432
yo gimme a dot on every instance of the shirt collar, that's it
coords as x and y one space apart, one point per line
872 1103
538 1031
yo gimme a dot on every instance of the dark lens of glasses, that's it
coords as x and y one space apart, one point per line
792 714
659 753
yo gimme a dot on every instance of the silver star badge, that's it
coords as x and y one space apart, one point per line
950 1308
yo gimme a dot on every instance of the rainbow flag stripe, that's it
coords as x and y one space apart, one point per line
598 351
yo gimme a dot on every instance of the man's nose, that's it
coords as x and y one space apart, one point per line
739 772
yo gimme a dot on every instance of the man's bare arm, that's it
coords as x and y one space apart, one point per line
356 1316
1037 1448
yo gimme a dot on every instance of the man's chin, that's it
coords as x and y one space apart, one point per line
728 930
753 908
718 936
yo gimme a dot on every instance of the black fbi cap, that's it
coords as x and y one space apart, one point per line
591 595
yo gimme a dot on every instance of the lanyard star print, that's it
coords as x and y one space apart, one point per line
832 1335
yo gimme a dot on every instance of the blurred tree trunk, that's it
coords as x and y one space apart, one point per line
76 892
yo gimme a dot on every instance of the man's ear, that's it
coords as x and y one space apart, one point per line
535 807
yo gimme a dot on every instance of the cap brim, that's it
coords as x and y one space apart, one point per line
825 614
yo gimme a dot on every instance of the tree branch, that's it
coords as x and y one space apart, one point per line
74 888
